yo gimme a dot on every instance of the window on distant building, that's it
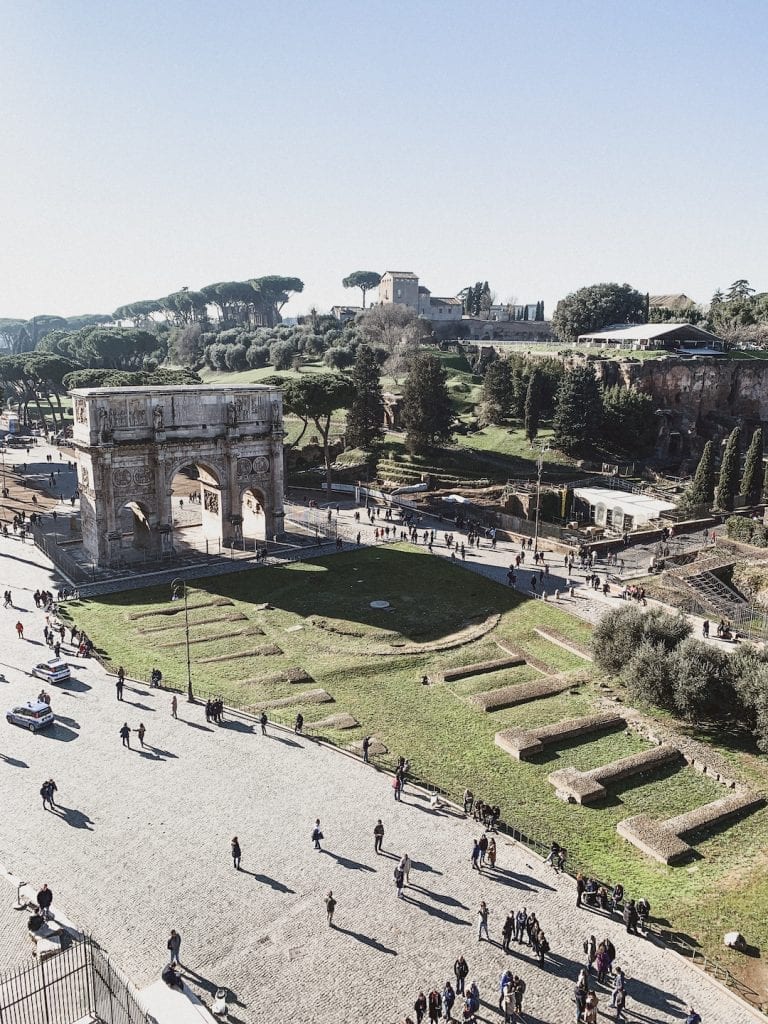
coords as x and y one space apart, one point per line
399 292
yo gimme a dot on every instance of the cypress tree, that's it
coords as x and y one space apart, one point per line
578 409
702 488
752 479
533 406
525 311
728 484
365 419
427 410
469 302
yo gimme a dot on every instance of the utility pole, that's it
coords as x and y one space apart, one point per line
179 589
540 469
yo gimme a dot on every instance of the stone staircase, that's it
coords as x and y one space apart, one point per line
698 577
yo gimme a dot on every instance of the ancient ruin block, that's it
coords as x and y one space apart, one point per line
663 840
509 696
588 787
526 743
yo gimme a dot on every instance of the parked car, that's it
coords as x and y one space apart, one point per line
34 715
53 671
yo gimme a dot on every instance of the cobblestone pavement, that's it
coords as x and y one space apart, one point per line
140 844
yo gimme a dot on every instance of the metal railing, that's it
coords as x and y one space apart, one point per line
72 985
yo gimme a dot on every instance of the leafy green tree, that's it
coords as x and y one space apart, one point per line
578 410
595 307
281 354
701 491
751 482
316 397
532 410
365 280
628 421
728 484
426 412
365 419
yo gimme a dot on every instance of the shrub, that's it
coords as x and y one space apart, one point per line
649 675
702 680
616 637
747 531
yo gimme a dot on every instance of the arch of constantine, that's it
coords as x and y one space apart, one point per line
130 443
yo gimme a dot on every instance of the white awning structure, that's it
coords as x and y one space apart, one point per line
620 510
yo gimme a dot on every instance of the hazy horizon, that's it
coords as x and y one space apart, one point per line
540 147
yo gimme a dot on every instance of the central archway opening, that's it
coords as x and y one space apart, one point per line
196 507
135 528
254 520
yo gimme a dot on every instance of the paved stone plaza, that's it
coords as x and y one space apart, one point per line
140 845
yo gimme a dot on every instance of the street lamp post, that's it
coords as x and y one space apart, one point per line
179 589
540 469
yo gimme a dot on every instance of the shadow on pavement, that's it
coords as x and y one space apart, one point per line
59 732
434 911
77 819
345 862
266 880
365 939
13 761
75 686
196 725
236 726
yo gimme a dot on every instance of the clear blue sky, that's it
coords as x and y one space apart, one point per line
539 145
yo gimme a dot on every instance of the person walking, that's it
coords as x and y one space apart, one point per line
619 986
125 734
460 970
366 748
174 706
399 880
420 1007
236 852
378 836
507 930
317 835
298 725
263 722
475 858
119 683
482 922
491 853
580 999
434 1006
52 788
45 793
630 917
173 945
44 901
520 918
330 906
142 733
406 863
121 673
397 786
590 1007
20 630
449 998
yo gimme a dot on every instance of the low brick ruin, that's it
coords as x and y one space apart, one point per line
526 743
591 786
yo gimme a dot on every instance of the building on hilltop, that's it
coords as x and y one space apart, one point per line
401 288
345 313
681 338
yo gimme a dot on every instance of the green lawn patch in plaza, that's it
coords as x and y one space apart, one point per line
449 741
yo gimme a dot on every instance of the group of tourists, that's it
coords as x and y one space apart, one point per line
634 593
214 710
44 599
439 1003
488 814
592 894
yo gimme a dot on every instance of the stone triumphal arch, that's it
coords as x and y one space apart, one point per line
130 443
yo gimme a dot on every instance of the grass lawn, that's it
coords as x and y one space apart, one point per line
350 650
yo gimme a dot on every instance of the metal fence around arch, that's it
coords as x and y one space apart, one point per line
79 983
